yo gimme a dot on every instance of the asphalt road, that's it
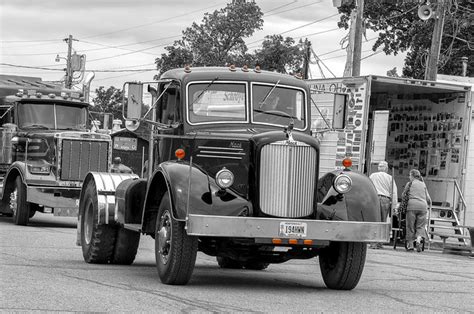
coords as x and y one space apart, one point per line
41 269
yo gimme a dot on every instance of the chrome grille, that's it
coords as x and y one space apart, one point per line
78 157
287 179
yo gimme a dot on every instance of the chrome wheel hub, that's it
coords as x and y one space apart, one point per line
88 223
164 237
14 201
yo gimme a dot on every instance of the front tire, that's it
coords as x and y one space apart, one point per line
342 264
175 251
18 203
97 241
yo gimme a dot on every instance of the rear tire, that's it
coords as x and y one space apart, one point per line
229 263
126 247
342 264
18 203
175 251
97 241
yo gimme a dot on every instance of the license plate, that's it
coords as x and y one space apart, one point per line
293 229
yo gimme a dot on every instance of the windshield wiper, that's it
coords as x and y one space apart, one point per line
36 126
262 102
203 91
277 113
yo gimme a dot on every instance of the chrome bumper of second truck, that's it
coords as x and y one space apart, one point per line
64 200
253 227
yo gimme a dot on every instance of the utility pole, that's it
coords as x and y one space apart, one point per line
307 59
69 71
358 38
431 69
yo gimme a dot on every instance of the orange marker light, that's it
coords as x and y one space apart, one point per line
276 241
308 242
293 241
347 162
179 153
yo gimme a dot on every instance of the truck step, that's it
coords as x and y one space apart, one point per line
133 227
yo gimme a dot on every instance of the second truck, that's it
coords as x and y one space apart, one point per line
46 148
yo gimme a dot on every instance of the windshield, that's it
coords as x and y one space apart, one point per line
219 102
277 105
52 117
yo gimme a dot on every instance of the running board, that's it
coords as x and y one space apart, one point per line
133 227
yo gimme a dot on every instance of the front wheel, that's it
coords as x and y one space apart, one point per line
342 264
97 241
175 251
18 203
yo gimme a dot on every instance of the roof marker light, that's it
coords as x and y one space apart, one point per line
245 68
232 67
257 69
187 68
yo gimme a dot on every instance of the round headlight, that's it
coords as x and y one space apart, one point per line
224 178
342 184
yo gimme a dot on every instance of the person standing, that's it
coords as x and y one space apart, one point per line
387 193
417 200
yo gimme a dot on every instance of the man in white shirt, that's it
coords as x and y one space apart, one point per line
387 192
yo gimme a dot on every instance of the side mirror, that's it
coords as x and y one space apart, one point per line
133 100
339 113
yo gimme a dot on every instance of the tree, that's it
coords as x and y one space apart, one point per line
280 54
108 101
218 40
400 29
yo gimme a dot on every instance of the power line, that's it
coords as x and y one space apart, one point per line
151 23
30 67
292 9
100 71
296 28
30 41
279 7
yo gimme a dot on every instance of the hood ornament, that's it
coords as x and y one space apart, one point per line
289 133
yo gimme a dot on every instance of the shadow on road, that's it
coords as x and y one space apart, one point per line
48 221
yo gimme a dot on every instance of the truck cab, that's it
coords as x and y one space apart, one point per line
234 174
47 148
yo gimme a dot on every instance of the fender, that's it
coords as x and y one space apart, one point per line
205 197
106 185
361 203
16 169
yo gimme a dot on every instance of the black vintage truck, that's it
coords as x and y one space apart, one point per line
234 174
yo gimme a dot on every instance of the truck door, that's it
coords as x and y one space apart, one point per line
377 139
168 113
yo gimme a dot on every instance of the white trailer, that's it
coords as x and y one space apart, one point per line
411 124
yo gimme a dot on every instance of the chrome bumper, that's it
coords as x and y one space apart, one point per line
253 227
54 197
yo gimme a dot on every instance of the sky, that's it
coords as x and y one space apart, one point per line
121 35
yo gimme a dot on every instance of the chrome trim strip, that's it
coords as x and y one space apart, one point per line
220 153
220 148
253 227
216 156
